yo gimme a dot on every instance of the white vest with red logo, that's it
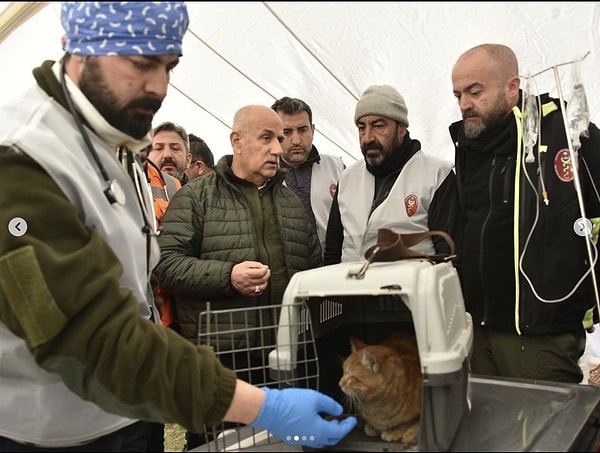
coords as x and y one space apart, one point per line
405 210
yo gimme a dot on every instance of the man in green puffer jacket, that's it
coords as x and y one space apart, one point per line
234 238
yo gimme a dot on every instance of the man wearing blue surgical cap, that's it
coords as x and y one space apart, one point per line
83 357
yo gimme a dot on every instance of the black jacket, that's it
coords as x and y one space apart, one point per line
554 257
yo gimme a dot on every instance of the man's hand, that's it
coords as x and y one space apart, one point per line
250 278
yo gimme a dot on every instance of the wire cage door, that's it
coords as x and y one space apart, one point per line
270 345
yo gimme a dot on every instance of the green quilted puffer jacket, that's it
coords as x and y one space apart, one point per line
209 227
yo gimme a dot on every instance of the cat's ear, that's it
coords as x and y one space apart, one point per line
355 344
369 361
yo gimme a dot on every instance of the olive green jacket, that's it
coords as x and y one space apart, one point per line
217 221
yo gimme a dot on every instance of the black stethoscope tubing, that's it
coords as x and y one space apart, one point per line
113 192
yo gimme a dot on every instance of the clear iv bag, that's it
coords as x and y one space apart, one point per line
530 121
578 113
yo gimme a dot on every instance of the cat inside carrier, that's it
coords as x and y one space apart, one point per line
417 297
305 341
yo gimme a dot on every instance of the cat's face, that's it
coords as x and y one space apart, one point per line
374 373
364 373
355 387
383 384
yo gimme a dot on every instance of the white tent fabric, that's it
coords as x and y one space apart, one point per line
239 53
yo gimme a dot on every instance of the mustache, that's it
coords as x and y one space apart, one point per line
470 114
168 161
371 145
146 103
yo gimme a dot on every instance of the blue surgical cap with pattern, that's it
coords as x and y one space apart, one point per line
124 28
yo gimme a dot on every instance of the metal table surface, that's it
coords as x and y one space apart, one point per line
506 415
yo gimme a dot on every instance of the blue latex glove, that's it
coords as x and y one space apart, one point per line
293 415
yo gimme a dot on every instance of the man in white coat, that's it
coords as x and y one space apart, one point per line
397 186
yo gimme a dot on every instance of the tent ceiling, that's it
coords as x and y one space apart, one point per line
239 53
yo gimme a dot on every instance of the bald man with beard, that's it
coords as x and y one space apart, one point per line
525 272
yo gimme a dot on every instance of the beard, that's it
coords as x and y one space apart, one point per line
474 128
126 118
384 152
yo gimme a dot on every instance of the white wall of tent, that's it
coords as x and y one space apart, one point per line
239 53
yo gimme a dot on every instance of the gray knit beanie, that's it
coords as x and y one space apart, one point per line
383 100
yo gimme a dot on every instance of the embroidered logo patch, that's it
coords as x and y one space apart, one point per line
563 166
411 203
332 190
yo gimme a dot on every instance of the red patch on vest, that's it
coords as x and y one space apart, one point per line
332 190
411 203
563 167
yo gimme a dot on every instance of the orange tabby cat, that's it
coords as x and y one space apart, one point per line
383 384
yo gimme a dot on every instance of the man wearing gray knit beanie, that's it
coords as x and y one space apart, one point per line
396 186
382 100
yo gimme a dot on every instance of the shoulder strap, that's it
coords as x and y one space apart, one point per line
393 246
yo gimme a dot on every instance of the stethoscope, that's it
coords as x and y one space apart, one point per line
113 192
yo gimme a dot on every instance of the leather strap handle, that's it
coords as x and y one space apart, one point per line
411 239
393 246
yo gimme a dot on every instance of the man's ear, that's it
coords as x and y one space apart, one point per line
234 138
513 85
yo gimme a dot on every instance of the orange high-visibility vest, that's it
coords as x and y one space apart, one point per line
163 187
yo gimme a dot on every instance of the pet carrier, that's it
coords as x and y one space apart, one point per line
309 339
415 295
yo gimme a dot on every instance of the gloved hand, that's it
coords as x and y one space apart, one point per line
293 416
